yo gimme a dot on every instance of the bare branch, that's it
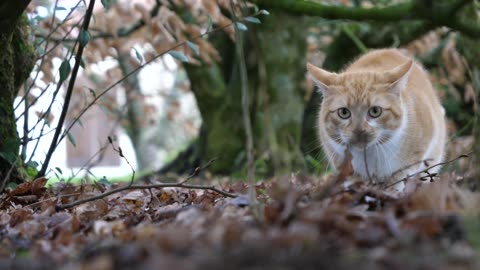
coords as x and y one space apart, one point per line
198 170
426 171
78 60
131 187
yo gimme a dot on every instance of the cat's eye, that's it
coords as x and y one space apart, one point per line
375 111
343 113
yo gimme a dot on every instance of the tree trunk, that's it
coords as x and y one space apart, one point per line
16 62
275 61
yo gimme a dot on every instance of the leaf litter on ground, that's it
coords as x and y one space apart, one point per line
306 222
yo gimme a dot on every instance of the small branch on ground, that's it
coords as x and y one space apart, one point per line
425 161
130 185
198 170
430 176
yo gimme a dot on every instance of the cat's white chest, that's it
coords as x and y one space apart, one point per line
375 163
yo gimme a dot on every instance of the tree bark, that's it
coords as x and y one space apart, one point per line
16 62
275 60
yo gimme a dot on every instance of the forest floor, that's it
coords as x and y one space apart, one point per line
296 222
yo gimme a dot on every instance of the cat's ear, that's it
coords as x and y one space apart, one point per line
398 77
322 78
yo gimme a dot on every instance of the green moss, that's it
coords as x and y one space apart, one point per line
24 52
16 62
277 104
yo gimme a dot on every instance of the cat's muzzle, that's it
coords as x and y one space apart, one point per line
360 138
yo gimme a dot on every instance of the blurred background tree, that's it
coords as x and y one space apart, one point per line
200 36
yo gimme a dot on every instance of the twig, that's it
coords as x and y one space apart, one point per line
429 176
71 84
247 123
131 187
366 163
25 131
47 51
119 151
198 170
100 154
5 179
122 32
411 165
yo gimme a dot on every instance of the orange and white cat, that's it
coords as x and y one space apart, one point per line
384 109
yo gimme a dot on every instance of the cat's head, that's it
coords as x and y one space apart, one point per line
361 109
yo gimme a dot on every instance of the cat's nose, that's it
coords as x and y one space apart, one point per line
360 136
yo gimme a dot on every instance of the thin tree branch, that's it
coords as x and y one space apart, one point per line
198 170
430 175
132 187
122 32
247 122
78 60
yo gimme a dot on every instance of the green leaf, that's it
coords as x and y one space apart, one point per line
107 3
32 164
82 63
179 56
10 157
59 170
71 139
138 55
240 26
252 20
209 23
31 171
60 8
64 70
264 12
104 180
194 47
12 185
84 37
40 50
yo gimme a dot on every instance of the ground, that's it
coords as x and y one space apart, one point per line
297 222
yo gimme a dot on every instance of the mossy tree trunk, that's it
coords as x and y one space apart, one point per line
16 62
275 60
